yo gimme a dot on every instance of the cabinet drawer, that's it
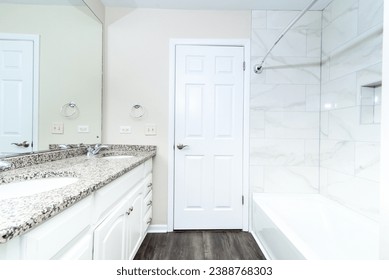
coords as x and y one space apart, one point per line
147 219
148 201
109 195
49 238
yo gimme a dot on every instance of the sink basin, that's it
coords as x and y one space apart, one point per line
30 187
119 157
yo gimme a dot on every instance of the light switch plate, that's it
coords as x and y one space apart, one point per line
57 128
150 129
83 129
125 129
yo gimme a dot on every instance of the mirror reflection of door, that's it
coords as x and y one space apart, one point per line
16 94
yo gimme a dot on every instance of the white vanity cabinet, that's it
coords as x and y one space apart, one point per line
107 225
117 236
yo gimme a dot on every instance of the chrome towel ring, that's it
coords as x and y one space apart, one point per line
69 110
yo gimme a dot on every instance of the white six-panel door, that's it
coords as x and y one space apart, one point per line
209 121
16 95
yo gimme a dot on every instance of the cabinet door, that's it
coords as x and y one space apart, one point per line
111 235
135 226
80 250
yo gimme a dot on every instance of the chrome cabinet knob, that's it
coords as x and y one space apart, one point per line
130 210
181 146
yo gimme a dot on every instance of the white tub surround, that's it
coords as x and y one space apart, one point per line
20 214
285 103
298 226
351 104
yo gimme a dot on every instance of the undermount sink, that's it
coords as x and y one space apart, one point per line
35 186
119 157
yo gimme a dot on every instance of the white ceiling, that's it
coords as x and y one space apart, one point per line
218 4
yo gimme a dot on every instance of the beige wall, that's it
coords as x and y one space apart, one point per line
137 70
70 66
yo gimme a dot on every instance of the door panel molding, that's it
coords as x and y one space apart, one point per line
245 43
35 39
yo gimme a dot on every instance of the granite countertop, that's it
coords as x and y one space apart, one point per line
18 215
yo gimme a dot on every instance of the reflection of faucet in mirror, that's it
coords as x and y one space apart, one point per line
50 67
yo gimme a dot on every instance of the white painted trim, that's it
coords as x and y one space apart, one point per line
245 43
384 153
157 229
36 52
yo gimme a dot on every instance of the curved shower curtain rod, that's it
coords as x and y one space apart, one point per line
258 68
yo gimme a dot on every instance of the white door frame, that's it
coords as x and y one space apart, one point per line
35 40
245 43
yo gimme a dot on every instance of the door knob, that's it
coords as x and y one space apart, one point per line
181 146
23 144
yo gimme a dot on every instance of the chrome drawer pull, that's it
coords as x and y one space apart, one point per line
149 221
130 210
149 203
149 186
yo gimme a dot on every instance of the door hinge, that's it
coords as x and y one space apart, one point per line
244 65
242 199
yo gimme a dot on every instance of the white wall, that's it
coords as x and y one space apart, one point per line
284 105
350 139
70 66
137 71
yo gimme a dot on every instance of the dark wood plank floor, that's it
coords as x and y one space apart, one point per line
199 245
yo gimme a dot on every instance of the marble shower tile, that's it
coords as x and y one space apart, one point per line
291 179
294 43
257 123
278 97
340 31
324 125
344 124
258 19
276 152
341 7
371 13
313 43
292 125
339 93
359 194
361 55
293 70
312 152
281 19
367 160
312 98
338 156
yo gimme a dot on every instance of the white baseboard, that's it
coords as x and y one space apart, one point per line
157 229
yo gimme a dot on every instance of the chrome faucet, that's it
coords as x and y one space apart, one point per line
4 165
92 151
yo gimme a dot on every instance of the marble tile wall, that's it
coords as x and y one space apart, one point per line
309 131
285 104
349 145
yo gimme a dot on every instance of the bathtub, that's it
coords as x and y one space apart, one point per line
310 226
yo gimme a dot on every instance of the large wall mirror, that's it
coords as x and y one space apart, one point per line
50 74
